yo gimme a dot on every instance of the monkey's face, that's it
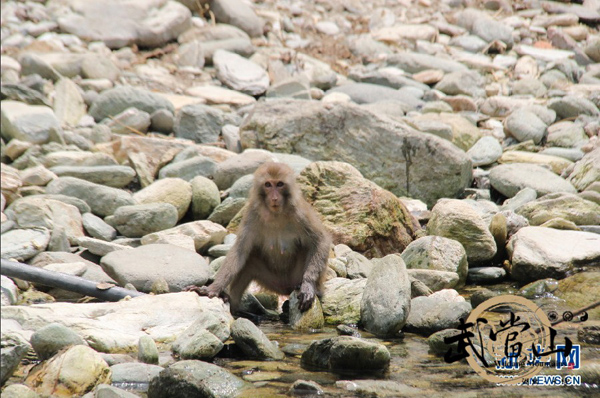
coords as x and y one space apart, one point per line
275 195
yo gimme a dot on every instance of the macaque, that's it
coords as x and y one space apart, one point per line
281 243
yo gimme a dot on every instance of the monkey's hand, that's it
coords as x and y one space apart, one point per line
306 296
206 291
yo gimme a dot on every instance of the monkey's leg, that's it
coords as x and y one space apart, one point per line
237 288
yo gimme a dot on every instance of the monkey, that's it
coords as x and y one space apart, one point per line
281 243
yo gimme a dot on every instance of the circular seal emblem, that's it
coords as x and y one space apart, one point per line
510 335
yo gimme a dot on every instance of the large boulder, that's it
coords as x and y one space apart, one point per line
387 152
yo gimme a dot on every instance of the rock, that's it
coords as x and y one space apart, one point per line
205 197
238 14
484 275
37 176
439 254
538 288
147 350
432 280
139 220
11 356
69 106
386 388
239 73
201 123
399 32
346 353
556 164
525 125
457 220
232 169
100 247
509 179
567 206
311 319
105 390
356 265
385 303
293 88
219 250
579 291
34 212
174 191
128 121
74 371
323 135
342 299
93 271
31 123
97 228
189 168
191 54
462 82
439 311
231 136
486 151
73 158
226 210
111 176
367 93
203 234
566 135
304 387
102 200
537 252
114 101
253 342
162 121
52 338
194 378
203 339
134 373
179 267
415 62
529 86
146 24
586 171
336 185
241 187
220 95
19 391
10 292
23 244
573 106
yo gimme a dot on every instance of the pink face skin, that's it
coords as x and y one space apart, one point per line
274 191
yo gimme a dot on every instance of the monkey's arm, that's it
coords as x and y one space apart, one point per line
234 263
316 262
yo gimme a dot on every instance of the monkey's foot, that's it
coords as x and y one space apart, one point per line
206 292
306 296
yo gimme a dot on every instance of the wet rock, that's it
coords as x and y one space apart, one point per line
179 267
196 378
346 353
75 371
341 300
30 123
480 296
437 344
310 319
457 220
139 220
239 73
509 179
538 253
111 176
385 302
439 311
304 387
174 191
97 228
23 244
386 388
484 275
538 288
50 339
114 101
439 254
253 342
567 206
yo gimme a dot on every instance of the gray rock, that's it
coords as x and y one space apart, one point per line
138 220
366 47
341 300
463 82
390 77
128 121
356 265
529 86
253 342
97 228
434 280
241 187
189 169
34 64
195 378
566 135
201 123
106 391
240 45
134 372
226 210
77 158
366 93
52 338
325 130
118 24
23 244
103 200
439 311
100 247
69 106
240 165
346 353
239 73
415 62
439 254
304 387
538 252
93 271
486 151
586 171
162 121
566 206
114 101
147 350
525 125
31 123
456 219
522 197
203 339
178 266
489 30
568 153
293 88
508 179
231 136
71 200
385 302
96 66
205 197
437 344
167 190
111 176
469 43
18 391
11 356
197 235
238 14
10 292
191 54
483 275
573 106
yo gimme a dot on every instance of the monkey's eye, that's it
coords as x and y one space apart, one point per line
268 184
279 184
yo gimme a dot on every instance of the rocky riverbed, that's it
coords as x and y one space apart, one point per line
451 147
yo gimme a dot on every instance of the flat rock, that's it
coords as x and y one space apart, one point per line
439 311
210 118
114 101
139 220
239 73
416 62
111 176
23 244
238 14
566 206
30 123
366 93
509 179
586 171
202 234
179 267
